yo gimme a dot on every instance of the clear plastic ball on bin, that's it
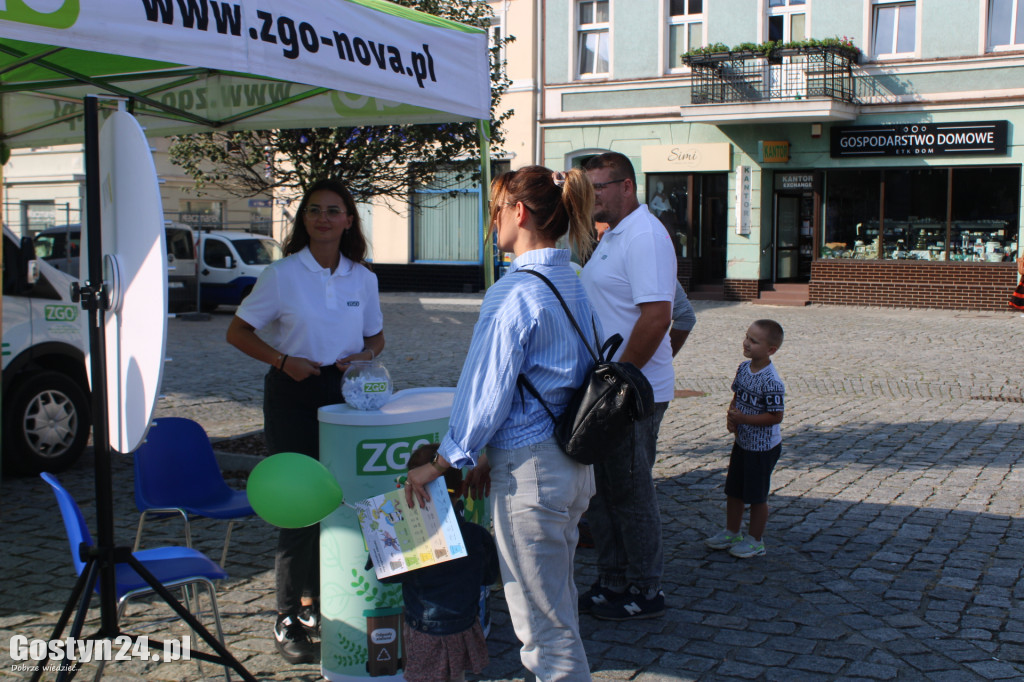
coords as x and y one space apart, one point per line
366 385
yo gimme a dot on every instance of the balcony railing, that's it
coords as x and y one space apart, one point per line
787 74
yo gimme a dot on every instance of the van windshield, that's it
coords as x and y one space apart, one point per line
257 251
179 244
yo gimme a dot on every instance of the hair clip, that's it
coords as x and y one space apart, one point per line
558 178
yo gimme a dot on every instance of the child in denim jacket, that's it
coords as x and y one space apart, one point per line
442 634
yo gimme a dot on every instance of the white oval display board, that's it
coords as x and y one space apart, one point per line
135 269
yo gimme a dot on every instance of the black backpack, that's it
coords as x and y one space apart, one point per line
602 410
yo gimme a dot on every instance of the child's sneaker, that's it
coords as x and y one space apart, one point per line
723 539
631 606
747 547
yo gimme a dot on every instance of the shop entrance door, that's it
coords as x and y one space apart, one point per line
793 236
693 208
709 255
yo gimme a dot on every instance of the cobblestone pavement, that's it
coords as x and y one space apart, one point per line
895 545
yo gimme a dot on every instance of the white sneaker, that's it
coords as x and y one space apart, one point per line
747 547
723 539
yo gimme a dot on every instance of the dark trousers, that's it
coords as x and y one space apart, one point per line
290 425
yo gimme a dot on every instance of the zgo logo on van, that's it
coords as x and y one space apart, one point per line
60 313
50 13
388 456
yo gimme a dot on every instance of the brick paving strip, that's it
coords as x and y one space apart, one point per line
895 546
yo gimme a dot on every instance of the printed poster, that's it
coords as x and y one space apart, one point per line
400 538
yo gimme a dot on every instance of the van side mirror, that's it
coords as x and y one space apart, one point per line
28 267
229 262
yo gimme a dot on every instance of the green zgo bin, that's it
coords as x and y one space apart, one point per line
367 451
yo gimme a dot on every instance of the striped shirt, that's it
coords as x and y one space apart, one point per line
522 328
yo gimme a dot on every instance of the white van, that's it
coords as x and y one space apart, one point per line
60 247
229 263
46 408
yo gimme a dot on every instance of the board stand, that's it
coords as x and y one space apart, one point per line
101 559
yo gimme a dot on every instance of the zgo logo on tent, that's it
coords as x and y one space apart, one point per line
51 13
388 455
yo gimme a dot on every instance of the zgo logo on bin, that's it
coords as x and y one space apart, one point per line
51 13
390 455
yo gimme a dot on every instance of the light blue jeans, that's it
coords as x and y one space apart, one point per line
624 516
537 497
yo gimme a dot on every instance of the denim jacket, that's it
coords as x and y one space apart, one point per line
444 599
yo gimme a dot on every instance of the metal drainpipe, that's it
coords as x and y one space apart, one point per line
539 86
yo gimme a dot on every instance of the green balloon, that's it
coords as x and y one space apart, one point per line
290 490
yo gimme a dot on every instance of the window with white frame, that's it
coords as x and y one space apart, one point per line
592 38
496 36
894 28
787 20
685 30
1005 24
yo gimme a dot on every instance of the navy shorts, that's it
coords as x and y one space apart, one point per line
750 473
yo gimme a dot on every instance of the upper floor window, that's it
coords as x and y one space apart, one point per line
592 39
496 37
1005 24
894 29
685 30
787 20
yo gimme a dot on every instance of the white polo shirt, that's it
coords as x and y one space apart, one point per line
634 263
305 310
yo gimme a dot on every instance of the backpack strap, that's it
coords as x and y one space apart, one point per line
565 306
522 382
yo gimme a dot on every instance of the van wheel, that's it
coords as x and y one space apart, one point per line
46 424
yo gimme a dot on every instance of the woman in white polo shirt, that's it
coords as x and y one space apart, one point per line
316 310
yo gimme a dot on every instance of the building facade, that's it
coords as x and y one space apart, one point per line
436 242
872 160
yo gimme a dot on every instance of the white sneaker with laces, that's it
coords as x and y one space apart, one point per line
723 539
747 547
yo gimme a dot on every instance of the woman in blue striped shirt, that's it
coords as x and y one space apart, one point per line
537 493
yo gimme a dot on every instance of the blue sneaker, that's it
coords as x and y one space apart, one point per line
631 606
597 596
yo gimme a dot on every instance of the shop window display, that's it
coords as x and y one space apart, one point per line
667 199
984 214
934 214
851 214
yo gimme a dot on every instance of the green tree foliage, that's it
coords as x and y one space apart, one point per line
371 160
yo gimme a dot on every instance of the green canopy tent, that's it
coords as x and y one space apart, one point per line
186 66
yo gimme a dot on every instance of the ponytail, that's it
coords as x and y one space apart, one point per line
559 202
578 199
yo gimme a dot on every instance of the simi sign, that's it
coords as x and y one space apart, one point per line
920 139
686 158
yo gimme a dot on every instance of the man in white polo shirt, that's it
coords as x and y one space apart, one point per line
631 282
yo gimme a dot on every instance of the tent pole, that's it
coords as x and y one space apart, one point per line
102 559
484 130
94 300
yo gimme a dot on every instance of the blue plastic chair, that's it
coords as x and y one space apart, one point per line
176 472
172 566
